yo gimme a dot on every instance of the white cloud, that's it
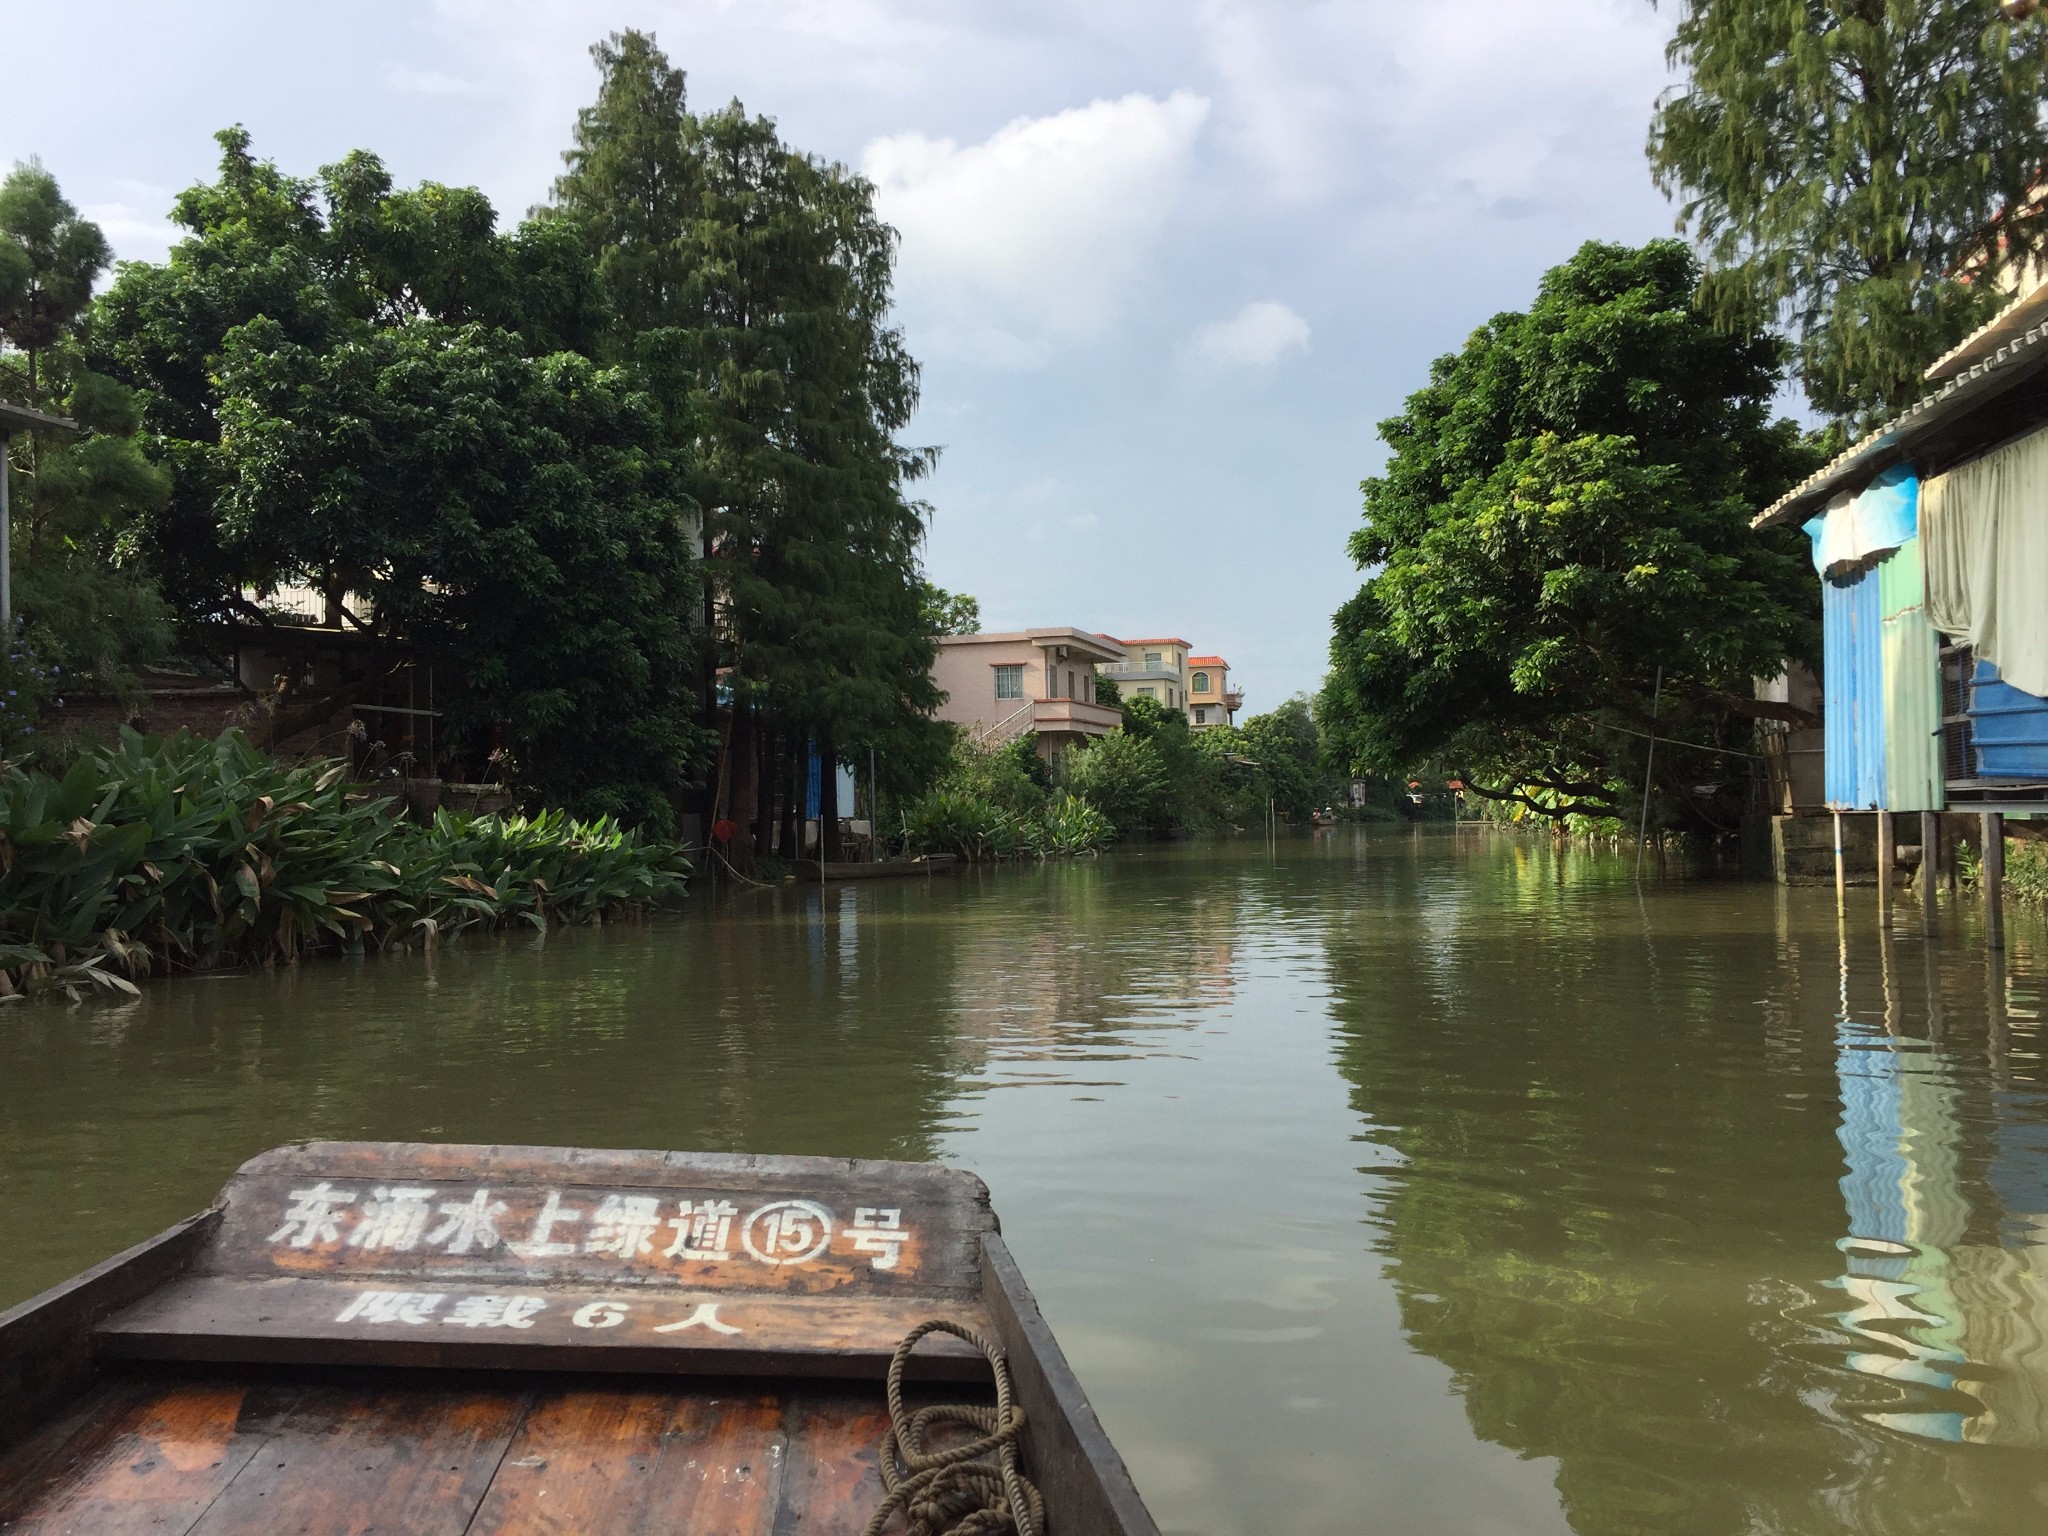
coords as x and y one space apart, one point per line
1257 336
136 234
429 82
1032 237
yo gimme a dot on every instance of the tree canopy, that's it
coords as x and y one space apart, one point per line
87 609
375 393
1861 169
752 286
1563 522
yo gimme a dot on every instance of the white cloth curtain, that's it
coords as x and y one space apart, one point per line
1984 541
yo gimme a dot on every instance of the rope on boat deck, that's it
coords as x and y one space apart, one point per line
969 1489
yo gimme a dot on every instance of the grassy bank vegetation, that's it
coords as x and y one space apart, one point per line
1153 778
178 853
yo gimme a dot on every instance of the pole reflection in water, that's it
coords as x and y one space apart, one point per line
1945 1273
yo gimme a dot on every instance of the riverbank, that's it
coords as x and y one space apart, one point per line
159 855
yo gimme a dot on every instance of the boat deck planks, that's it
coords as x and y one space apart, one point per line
227 1457
416 1338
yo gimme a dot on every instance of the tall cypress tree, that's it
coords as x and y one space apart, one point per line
1861 169
629 181
756 304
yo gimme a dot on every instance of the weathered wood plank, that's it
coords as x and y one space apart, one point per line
832 1481
147 1457
353 1460
46 1345
330 1322
1085 1483
628 1463
528 1216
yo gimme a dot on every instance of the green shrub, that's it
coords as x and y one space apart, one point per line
1123 777
174 853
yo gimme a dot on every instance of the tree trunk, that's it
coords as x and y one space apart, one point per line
739 797
793 762
764 796
828 798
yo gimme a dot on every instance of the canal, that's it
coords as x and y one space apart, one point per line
1392 1180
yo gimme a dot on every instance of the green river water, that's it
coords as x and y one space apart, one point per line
1403 1180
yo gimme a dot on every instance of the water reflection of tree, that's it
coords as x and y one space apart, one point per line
1615 1203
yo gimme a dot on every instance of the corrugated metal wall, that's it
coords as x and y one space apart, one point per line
1912 686
1852 622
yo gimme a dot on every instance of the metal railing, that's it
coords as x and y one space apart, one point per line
1003 730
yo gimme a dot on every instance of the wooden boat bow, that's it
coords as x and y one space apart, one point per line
513 1313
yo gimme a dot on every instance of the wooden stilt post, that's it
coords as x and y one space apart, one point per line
1887 850
1994 879
1930 866
1842 865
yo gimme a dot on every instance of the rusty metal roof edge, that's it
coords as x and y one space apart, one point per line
1909 425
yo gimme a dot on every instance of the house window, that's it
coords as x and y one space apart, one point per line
1201 715
1201 683
1151 661
1010 682
1070 684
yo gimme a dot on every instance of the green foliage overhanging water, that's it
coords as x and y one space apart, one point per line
178 853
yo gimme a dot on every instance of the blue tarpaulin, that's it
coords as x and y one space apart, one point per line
2009 728
1883 517
1852 622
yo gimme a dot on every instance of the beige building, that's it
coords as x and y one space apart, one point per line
1162 668
1000 686
1153 669
1211 699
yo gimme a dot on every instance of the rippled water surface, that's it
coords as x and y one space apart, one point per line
1405 1181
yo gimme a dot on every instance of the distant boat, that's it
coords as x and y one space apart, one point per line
1324 818
406 1337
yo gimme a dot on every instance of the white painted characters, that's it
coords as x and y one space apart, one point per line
543 1244
599 1314
393 1218
407 1218
624 1226
496 1311
706 1316
703 1230
787 1232
471 1223
314 1215
391 1307
879 1231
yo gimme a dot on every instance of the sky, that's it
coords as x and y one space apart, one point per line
1166 263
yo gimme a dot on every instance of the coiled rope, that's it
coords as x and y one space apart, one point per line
969 1489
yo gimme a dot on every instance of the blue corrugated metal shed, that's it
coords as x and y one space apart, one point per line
1852 622
2008 727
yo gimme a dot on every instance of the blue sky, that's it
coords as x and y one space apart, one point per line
1166 264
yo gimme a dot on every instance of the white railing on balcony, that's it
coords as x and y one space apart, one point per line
1005 729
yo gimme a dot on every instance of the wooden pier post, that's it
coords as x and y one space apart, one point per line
1930 866
1887 853
1993 867
1841 865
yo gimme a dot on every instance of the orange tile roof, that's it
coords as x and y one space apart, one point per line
1208 661
1155 640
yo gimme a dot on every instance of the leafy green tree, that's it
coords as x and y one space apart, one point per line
949 613
631 184
1861 168
1125 777
1560 555
374 392
516 516
53 258
759 282
85 608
